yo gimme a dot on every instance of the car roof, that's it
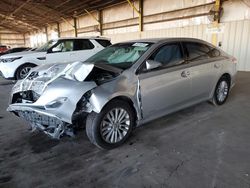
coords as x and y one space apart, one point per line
93 37
176 39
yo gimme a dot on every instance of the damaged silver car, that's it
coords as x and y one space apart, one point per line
123 86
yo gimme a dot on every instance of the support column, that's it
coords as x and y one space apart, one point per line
100 19
216 21
58 29
139 12
46 33
75 26
24 40
141 15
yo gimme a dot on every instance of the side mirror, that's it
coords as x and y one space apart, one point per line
151 64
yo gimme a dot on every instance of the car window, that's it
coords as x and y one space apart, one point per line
63 46
104 43
121 55
16 50
83 44
197 51
168 55
46 46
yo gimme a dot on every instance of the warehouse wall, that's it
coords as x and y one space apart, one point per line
120 23
234 35
11 38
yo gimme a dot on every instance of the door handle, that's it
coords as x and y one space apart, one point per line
185 74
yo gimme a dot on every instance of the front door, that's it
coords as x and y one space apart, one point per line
167 88
62 52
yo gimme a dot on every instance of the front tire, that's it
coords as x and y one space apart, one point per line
221 91
23 71
112 126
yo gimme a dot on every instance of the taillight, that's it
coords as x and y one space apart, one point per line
234 60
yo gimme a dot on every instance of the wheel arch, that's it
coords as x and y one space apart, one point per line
226 75
124 98
22 65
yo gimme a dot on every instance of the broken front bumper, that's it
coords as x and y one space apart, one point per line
52 111
50 124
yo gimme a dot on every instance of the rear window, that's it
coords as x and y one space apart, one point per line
83 44
198 51
104 43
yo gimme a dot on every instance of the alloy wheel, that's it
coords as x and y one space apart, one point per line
222 91
115 125
24 72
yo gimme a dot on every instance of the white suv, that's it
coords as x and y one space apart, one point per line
17 65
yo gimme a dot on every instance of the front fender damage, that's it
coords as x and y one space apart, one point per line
59 104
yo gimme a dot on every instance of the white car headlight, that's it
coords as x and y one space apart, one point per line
9 60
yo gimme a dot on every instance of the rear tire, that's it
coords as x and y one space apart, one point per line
112 126
23 71
221 91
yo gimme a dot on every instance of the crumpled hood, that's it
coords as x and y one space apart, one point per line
40 77
75 65
77 71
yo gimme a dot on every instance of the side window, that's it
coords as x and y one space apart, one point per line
197 51
168 55
83 44
63 46
104 43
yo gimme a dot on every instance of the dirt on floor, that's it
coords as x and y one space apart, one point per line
202 146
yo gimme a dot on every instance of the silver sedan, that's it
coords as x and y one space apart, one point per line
122 87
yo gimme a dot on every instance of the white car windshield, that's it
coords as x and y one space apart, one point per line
122 55
46 46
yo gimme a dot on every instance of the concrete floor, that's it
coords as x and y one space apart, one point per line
202 146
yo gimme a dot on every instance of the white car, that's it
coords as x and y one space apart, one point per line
17 65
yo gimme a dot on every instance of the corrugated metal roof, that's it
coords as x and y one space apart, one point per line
28 15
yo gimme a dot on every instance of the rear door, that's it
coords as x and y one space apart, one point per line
204 69
167 88
83 49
